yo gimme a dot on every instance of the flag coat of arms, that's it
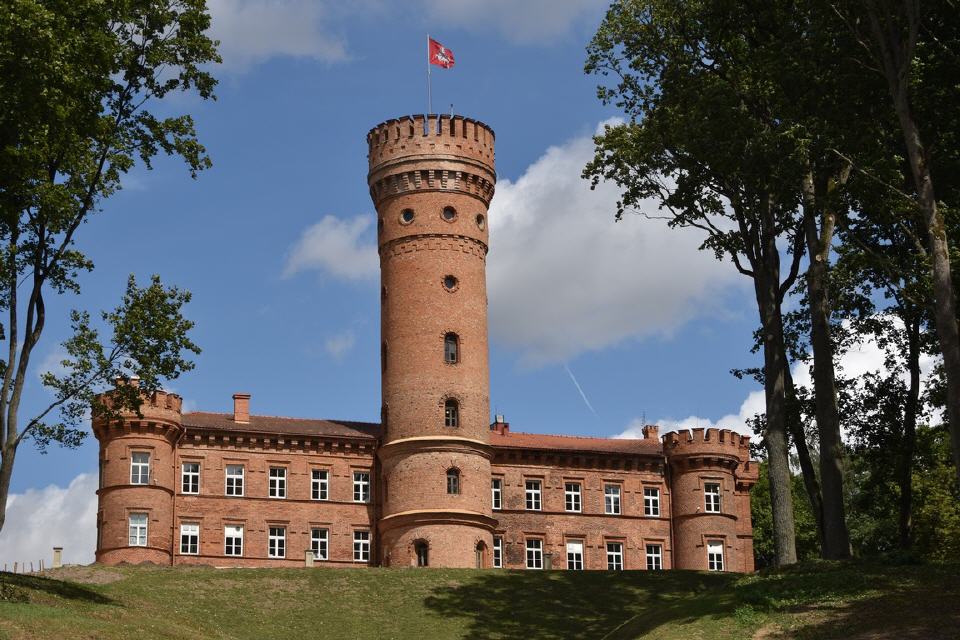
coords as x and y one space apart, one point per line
440 55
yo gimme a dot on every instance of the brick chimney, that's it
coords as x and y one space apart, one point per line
650 431
241 407
499 425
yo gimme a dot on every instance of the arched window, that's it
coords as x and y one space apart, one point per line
451 348
453 482
423 553
451 413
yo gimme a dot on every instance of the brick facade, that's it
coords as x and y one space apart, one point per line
417 488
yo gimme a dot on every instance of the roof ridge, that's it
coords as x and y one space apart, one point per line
564 435
261 415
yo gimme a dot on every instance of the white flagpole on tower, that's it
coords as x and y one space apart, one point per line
429 88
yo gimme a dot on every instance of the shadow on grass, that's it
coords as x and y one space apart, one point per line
16 587
560 604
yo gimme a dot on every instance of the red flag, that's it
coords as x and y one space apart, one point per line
440 55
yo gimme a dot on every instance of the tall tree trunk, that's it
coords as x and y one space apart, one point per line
836 540
766 283
6 473
905 473
810 482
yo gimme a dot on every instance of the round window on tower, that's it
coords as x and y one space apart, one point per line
450 283
449 214
406 216
481 221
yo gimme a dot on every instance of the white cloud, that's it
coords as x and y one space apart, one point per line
751 406
41 519
527 22
53 363
337 346
252 31
337 247
564 278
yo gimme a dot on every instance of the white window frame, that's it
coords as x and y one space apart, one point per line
277 542
714 555
497 552
234 489
612 503
614 556
573 497
534 553
319 484
320 543
575 555
189 539
138 529
651 502
190 480
496 493
139 467
277 483
361 486
711 497
654 557
361 546
533 494
233 532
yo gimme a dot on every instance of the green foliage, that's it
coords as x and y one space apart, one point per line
764 552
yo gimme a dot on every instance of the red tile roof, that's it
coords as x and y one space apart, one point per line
282 426
520 440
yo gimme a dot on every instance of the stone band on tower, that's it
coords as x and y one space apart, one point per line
431 180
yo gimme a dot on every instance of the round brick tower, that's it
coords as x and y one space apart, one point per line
711 475
137 481
431 181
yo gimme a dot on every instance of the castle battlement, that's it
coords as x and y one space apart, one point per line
705 441
159 407
466 138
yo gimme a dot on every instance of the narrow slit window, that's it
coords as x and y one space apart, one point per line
453 482
451 413
451 348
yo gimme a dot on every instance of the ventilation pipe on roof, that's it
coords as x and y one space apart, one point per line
241 407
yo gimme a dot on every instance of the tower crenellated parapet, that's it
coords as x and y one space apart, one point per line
137 478
710 476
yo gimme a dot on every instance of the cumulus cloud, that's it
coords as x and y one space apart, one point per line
40 519
527 22
564 278
252 31
336 246
337 346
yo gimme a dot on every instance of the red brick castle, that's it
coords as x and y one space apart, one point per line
435 483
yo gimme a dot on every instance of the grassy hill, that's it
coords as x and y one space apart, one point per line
819 600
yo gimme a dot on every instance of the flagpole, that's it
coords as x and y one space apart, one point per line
429 87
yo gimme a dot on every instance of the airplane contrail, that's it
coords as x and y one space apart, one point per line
580 389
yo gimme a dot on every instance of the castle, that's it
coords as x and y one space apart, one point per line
436 483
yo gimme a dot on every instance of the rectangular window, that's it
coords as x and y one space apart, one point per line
138 530
319 542
277 542
361 486
575 555
611 498
571 496
654 557
234 479
711 494
190 477
614 556
139 468
534 553
278 482
497 552
361 546
533 495
189 539
319 484
496 488
715 556
651 501
233 540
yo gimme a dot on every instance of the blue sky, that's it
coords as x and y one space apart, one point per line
276 241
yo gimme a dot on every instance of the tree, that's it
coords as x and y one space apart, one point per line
714 160
77 79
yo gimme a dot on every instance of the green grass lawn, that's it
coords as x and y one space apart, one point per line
818 600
